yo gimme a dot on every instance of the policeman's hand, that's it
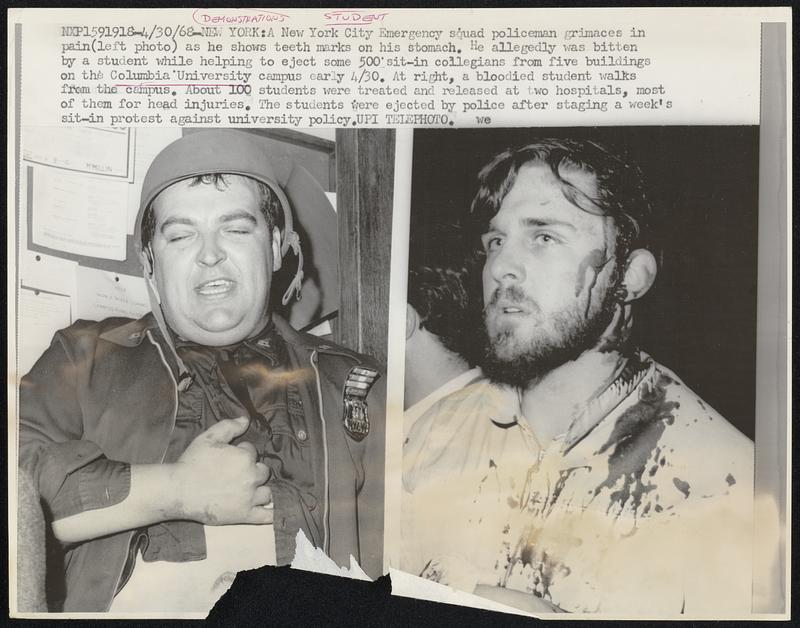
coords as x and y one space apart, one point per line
219 483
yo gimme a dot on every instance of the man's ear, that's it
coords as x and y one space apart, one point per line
640 273
412 321
146 258
277 258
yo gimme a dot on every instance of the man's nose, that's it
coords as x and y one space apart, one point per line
505 265
211 253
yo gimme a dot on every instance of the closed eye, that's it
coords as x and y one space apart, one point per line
240 225
178 237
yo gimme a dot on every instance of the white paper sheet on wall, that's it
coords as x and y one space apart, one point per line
78 213
99 151
148 142
41 314
101 294
45 272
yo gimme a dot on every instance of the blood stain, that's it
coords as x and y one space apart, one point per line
634 439
682 486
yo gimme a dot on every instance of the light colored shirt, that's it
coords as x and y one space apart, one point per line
413 413
643 507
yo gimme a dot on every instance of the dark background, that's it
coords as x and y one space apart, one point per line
699 319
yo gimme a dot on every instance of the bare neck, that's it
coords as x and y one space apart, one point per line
551 402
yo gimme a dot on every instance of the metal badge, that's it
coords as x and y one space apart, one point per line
356 388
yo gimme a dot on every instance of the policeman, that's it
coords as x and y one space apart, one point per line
174 450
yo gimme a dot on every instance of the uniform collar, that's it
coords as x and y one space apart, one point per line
309 342
132 333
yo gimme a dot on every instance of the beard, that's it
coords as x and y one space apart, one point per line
517 361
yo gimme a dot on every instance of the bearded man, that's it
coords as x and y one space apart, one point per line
580 475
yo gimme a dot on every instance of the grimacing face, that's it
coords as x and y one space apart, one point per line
548 276
213 259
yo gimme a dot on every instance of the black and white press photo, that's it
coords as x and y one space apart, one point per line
399 316
190 403
580 368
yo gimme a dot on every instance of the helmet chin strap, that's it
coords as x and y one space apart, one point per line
185 378
292 241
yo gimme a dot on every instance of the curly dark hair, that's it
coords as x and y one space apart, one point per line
444 287
620 186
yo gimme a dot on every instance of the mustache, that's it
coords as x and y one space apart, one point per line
510 295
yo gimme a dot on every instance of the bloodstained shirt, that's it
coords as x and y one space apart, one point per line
643 507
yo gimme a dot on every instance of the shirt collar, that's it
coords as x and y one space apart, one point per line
635 368
265 333
506 412
132 333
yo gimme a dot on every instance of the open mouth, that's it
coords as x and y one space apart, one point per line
214 287
508 307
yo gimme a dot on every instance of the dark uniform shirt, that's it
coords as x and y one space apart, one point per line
106 395
278 428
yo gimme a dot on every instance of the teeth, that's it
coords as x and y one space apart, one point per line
217 286
511 310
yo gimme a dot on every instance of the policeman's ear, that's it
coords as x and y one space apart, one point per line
146 259
412 321
640 273
277 259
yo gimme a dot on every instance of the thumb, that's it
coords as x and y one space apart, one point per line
226 430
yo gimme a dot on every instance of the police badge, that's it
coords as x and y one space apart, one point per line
356 388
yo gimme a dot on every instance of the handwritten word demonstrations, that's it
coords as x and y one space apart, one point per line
346 73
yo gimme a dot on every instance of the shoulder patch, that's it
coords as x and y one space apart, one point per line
357 385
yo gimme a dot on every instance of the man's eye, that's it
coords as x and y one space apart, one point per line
492 243
544 238
178 237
